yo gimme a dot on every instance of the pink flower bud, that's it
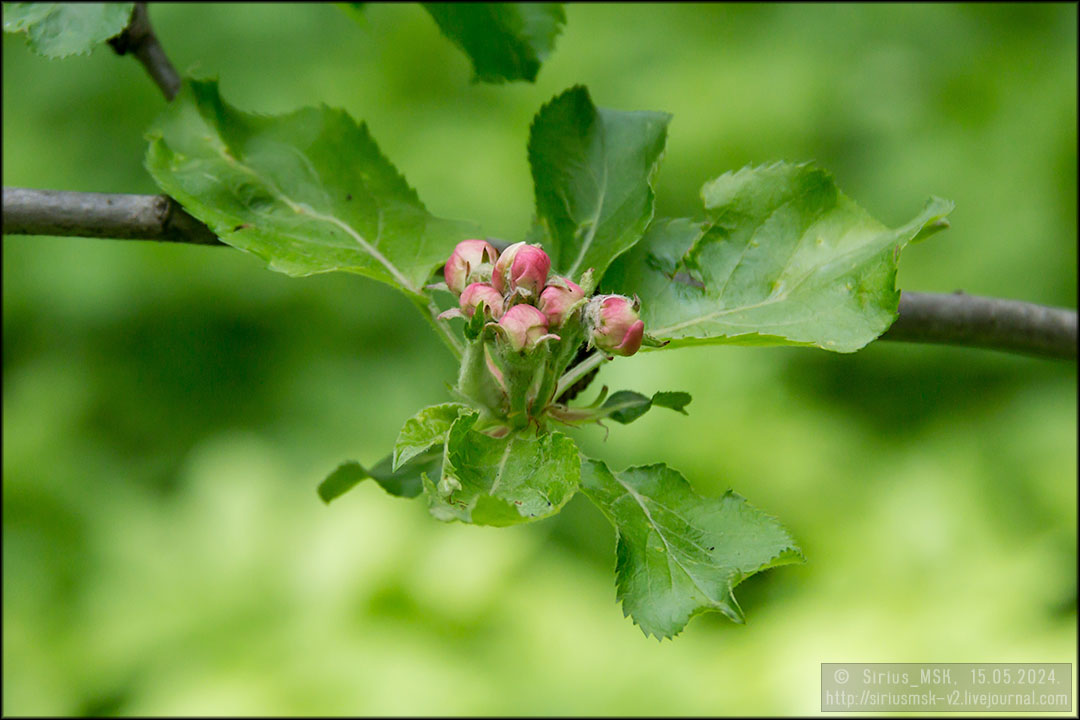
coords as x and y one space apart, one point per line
614 324
524 327
481 294
521 266
557 299
466 263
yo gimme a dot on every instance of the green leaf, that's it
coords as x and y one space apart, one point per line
678 553
503 481
342 480
428 427
405 482
57 30
593 172
783 258
309 191
673 400
626 406
505 41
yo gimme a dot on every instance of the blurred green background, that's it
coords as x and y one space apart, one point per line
169 410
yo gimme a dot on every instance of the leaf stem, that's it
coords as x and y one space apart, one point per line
575 373
442 327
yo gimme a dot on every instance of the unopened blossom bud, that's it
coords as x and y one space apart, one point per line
524 326
483 295
466 263
521 267
557 299
614 324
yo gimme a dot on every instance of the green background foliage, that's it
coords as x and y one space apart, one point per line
169 410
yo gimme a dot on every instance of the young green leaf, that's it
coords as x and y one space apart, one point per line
309 191
673 400
403 482
678 553
593 171
783 258
626 406
423 430
57 30
503 481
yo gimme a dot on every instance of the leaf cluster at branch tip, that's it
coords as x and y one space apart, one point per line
780 256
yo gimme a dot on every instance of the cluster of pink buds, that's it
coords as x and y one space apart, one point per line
513 289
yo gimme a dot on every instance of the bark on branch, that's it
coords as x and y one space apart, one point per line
101 215
949 319
138 39
974 321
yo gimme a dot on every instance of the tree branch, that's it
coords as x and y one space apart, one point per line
138 38
974 321
101 215
955 319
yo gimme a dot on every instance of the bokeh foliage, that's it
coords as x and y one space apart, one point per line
169 410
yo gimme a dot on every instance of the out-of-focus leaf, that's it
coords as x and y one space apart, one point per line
505 41
60 29
783 258
678 553
503 481
593 171
309 191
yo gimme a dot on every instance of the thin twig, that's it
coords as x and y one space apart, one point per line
138 38
955 319
101 215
